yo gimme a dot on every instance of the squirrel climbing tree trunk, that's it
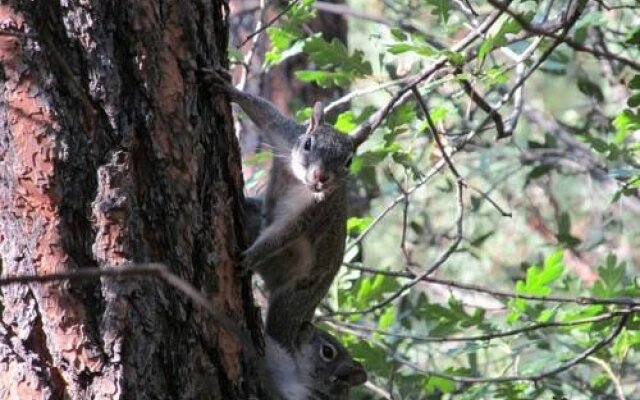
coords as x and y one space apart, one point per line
113 151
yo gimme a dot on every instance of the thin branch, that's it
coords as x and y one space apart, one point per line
430 174
356 93
488 198
513 378
583 300
488 336
157 270
365 130
405 218
568 41
486 107
269 23
436 135
254 43
607 368
539 376
436 264
378 390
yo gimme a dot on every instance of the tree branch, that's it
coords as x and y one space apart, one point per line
582 300
568 41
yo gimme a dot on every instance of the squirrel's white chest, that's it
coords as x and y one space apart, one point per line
293 202
283 372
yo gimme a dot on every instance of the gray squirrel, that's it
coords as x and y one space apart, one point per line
300 248
321 368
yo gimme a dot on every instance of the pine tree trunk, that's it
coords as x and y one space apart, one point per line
114 151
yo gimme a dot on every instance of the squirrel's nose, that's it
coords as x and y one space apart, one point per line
352 374
320 176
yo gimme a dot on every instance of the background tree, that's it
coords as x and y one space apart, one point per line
113 152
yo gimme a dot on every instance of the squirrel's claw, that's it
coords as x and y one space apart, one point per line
218 77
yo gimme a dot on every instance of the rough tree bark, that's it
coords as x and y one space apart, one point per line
113 151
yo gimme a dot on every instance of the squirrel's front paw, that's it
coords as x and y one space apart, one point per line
218 77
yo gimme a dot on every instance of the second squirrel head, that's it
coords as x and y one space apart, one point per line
329 365
321 157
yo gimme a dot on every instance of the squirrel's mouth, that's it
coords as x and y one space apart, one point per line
318 187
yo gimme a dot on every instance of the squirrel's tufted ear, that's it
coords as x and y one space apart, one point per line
317 118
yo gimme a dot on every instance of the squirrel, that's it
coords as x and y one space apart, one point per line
320 369
300 248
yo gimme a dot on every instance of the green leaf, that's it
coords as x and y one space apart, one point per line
373 357
406 160
281 41
356 225
387 319
597 144
634 101
325 79
626 122
455 58
564 235
345 122
334 56
348 120
480 239
538 279
404 114
537 172
496 75
590 88
600 383
440 9
634 38
401 48
303 114
498 39
433 383
610 278
556 63
374 288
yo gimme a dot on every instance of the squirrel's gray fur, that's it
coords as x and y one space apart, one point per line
321 368
301 246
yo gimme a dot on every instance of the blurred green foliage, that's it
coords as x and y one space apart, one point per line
569 173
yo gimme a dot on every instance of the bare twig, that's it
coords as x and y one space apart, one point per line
254 43
378 390
146 270
269 23
365 130
513 378
562 38
607 368
489 336
485 106
436 135
583 300
436 264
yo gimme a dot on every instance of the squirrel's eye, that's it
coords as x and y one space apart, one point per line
347 164
327 352
307 145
